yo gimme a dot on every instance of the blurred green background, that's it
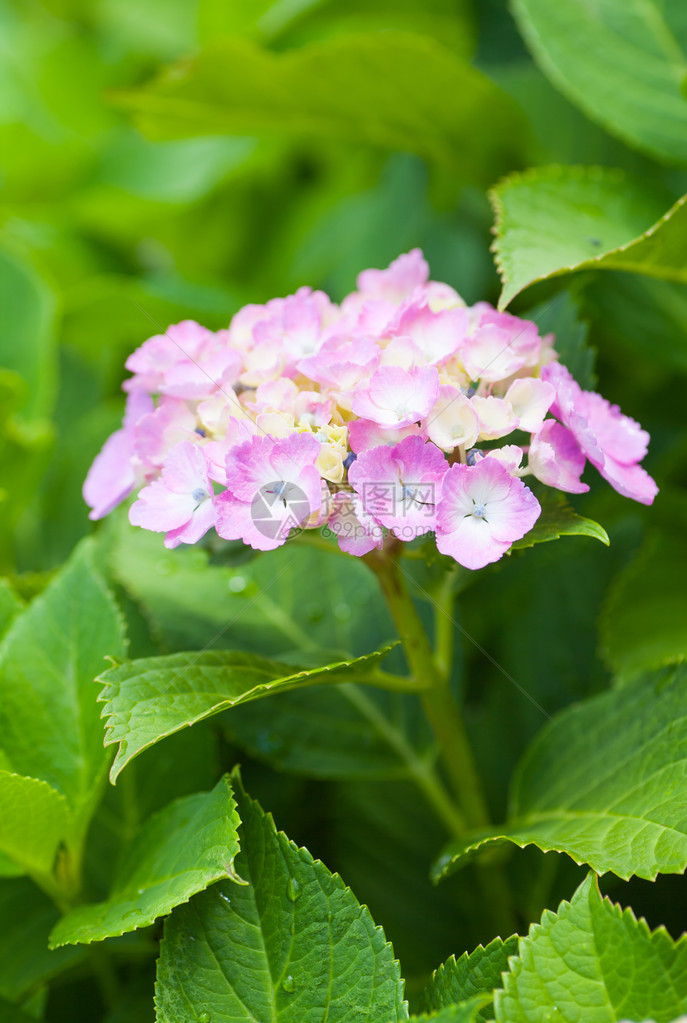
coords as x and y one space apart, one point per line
107 235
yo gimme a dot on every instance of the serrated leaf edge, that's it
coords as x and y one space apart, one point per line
550 173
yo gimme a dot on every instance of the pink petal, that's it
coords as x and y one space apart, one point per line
356 532
160 509
399 280
629 480
556 458
471 544
530 399
111 477
364 435
200 522
437 335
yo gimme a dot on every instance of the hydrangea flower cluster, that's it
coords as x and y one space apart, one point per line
400 411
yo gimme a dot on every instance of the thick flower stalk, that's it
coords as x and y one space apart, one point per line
399 412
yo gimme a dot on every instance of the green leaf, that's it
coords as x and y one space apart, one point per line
561 316
151 698
27 310
604 783
49 717
596 962
185 764
12 1014
558 519
263 605
464 1012
25 961
10 605
177 853
447 20
377 88
34 820
473 974
555 220
292 945
623 64
644 623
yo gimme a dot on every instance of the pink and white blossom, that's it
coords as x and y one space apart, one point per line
530 398
437 335
613 443
482 511
557 459
355 529
398 486
453 421
179 502
396 397
115 471
273 486
303 413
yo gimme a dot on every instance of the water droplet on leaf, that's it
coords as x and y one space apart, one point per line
289 984
203 1017
314 612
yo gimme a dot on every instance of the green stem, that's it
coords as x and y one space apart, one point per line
444 628
440 707
421 771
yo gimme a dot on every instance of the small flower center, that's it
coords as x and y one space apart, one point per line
479 511
199 494
280 489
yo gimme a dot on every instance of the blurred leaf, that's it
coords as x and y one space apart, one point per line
255 19
151 698
27 311
644 317
623 64
49 718
177 853
561 316
10 605
25 961
475 973
449 21
34 821
377 89
644 623
342 731
559 131
172 172
573 966
310 601
558 519
12 1014
162 28
555 220
603 783
291 944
